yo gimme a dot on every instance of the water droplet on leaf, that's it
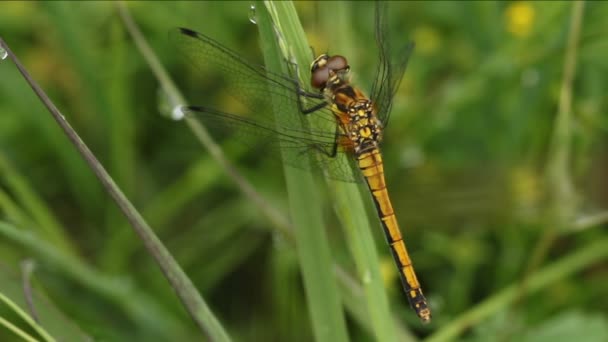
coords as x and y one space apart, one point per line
252 15
177 113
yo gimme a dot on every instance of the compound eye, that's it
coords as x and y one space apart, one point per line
337 63
319 78
319 62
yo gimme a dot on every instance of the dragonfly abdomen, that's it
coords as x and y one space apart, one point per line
372 168
357 116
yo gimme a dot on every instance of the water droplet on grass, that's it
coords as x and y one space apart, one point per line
252 15
177 113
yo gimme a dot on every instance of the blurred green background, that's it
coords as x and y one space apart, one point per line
491 192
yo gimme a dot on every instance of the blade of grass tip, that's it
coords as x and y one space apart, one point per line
313 248
55 322
181 284
27 268
584 257
349 203
27 318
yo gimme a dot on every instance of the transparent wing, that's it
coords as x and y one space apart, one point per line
293 146
391 65
262 93
248 83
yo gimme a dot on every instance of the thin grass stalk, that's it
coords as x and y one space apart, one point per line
24 193
577 261
181 284
27 318
563 200
136 306
11 327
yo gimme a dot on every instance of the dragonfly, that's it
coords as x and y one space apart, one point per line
348 137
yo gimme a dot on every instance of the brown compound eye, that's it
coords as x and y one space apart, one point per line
319 78
319 75
337 63
323 67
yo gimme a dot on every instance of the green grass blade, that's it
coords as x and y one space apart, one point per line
27 318
11 327
312 244
35 206
179 281
134 304
348 200
590 254
351 211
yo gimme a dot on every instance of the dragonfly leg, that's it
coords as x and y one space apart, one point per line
334 149
304 93
311 109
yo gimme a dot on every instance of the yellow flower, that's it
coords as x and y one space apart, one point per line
520 18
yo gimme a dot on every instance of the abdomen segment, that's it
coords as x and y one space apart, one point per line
371 165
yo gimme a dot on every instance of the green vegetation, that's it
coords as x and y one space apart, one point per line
494 158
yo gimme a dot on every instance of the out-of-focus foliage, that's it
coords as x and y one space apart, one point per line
467 156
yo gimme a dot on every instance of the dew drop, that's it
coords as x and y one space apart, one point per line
252 15
3 53
177 113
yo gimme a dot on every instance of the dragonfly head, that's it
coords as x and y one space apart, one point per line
328 71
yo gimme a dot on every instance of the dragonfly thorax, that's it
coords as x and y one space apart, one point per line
363 127
354 111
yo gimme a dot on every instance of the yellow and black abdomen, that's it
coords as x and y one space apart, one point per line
357 117
372 168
